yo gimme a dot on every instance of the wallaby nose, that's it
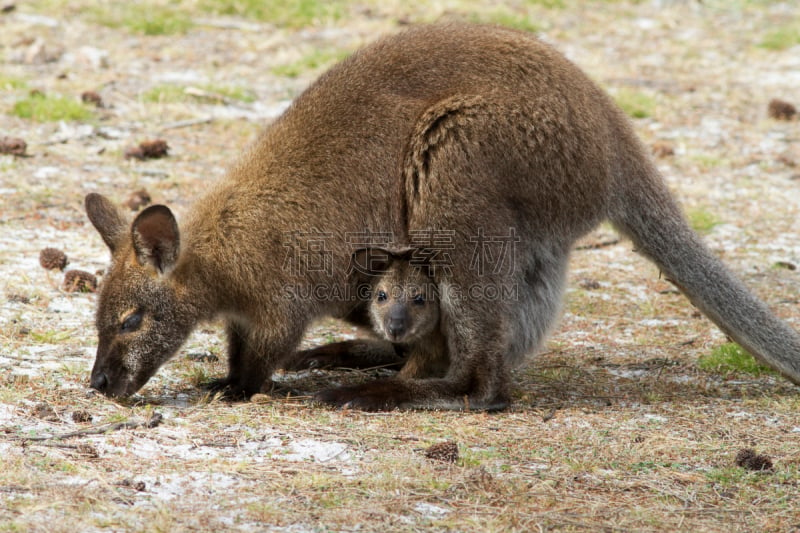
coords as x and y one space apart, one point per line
99 381
397 321
396 328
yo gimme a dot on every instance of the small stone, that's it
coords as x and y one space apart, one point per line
79 281
91 97
260 398
53 259
94 57
41 52
788 265
662 149
154 420
154 149
202 357
45 412
81 416
781 110
138 200
13 146
446 452
88 450
18 298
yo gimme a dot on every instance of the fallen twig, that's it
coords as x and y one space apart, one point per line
151 422
186 123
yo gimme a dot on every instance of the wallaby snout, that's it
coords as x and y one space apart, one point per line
99 381
396 323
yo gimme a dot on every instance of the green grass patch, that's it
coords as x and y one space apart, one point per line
517 21
50 336
170 93
731 476
8 83
701 220
283 13
781 38
708 161
143 17
310 62
732 358
636 104
165 94
231 92
45 108
549 4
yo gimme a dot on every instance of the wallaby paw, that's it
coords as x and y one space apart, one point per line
383 395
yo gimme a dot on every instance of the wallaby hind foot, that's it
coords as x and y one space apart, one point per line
392 393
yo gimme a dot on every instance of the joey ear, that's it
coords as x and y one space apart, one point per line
156 239
107 219
376 260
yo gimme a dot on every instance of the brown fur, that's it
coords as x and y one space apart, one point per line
403 309
458 135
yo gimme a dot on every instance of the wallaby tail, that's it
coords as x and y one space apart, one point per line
645 211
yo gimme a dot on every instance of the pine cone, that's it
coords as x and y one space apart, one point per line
443 451
750 460
138 199
79 281
52 259
148 150
780 110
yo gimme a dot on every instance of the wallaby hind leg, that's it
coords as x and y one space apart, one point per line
360 353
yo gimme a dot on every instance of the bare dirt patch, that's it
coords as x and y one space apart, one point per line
613 428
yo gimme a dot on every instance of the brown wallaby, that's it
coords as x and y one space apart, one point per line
479 146
404 312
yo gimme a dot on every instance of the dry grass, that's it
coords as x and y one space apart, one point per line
615 428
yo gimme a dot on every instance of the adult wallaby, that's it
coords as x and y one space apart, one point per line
455 139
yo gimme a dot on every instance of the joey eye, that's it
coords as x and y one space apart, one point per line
131 323
419 300
382 296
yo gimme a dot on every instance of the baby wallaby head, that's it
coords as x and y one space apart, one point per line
404 305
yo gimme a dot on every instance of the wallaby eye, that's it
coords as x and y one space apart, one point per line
131 322
382 296
419 299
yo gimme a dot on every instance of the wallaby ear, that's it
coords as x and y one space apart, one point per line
156 239
374 260
107 219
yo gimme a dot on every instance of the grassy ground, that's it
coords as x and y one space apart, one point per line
630 421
